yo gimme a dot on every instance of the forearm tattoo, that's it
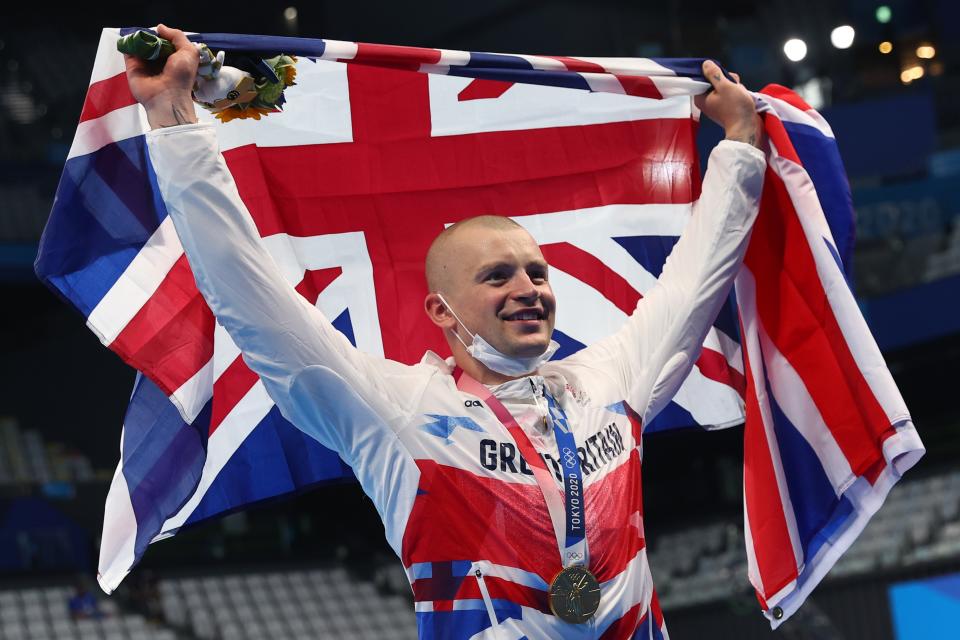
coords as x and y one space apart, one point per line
749 138
179 117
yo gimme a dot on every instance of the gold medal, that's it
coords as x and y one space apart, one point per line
574 595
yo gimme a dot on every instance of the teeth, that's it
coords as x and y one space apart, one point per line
528 315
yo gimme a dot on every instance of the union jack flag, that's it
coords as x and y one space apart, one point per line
377 149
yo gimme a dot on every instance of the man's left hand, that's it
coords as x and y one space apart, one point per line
731 106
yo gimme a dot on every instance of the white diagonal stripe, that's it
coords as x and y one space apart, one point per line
137 284
119 124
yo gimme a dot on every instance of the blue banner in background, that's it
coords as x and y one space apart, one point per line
926 609
909 134
906 210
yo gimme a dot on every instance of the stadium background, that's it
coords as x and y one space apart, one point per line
316 565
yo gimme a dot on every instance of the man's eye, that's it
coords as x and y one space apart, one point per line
496 275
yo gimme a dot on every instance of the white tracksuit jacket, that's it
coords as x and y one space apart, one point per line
459 505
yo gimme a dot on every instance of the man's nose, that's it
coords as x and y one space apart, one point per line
525 288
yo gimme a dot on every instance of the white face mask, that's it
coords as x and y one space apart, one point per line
486 354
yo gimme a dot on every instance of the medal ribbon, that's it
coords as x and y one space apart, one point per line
567 516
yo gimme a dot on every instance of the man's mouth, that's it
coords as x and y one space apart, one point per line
528 314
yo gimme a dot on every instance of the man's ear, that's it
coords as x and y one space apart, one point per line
438 312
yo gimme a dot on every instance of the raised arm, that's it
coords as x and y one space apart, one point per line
319 381
647 360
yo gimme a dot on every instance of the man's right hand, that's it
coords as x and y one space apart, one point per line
163 88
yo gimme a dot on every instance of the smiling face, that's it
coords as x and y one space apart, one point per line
493 275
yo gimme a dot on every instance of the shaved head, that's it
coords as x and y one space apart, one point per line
445 251
491 270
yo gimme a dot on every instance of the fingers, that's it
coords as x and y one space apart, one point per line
713 74
175 36
137 67
132 63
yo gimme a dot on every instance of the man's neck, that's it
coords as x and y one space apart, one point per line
484 374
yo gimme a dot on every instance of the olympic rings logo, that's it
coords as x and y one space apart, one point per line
569 457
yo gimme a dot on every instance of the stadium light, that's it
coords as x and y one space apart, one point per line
842 36
883 14
910 74
926 51
886 47
290 15
795 49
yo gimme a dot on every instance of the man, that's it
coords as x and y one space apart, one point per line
507 484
